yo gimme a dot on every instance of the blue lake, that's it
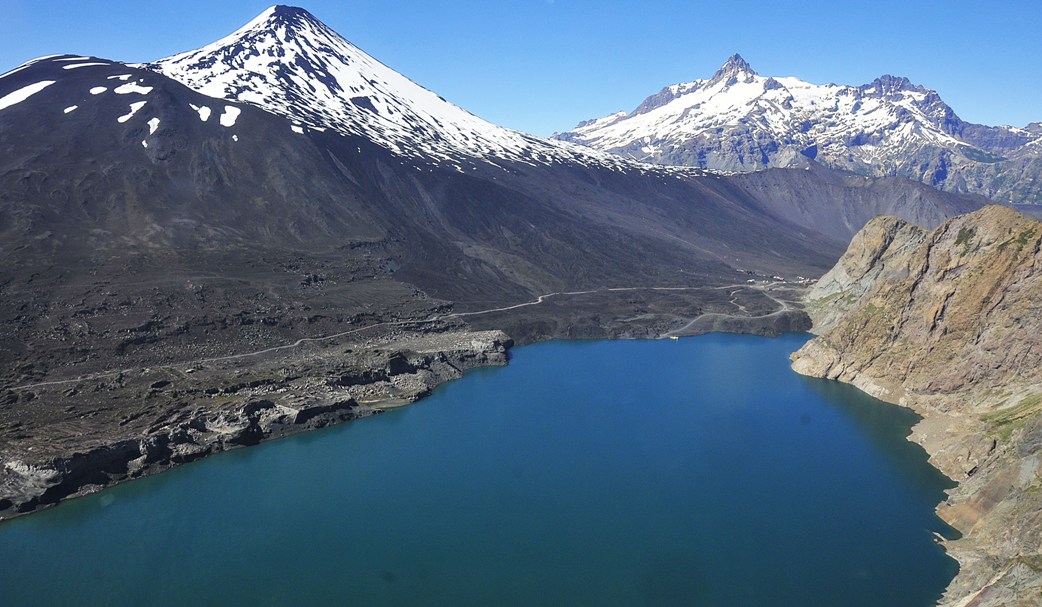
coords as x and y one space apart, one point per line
694 472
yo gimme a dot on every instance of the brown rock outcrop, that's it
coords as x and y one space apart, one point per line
949 323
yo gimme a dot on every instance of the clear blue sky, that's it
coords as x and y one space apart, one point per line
543 65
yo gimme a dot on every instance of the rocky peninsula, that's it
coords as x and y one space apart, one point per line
67 438
64 435
949 324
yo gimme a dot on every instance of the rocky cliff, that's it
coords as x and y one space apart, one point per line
949 323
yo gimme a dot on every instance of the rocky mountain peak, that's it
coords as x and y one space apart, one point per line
280 22
281 15
736 64
735 69
888 85
289 14
286 23
742 121
279 40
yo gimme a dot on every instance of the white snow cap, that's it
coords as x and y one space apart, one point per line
884 116
291 64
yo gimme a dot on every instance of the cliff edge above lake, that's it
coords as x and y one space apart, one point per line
949 323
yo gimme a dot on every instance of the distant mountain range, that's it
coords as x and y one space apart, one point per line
740 121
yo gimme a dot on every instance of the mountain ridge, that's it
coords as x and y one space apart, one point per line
738 120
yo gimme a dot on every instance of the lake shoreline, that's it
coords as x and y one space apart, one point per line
114 426
276 402
675 466
964 449
43 484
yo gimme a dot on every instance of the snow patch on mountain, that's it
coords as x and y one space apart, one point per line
78 65
132 87
134 107
20 95
231 113
204 112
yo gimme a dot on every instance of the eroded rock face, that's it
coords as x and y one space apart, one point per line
949 323
871 252
934 314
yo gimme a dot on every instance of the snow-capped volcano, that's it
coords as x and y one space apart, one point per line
738 120
291 64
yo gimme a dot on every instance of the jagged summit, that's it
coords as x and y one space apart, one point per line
736 62
738 120
889 85
735 69
291 64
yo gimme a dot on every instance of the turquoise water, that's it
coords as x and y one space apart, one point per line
693 472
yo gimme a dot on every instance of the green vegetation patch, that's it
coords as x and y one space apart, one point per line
1005 421
847 298
965 234
981 156
871 309
1020 241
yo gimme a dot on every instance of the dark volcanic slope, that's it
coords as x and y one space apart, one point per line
839 203
241 230
107 175
121 228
